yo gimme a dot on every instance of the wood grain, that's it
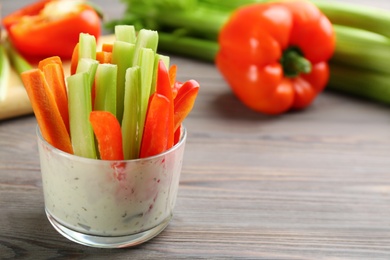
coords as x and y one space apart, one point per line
304 185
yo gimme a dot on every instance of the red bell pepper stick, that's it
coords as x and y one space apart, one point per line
45 109
184 101
164 88
158 133
108 134
154 139
33 29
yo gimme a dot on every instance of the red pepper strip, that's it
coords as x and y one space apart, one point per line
108 134
32 31
45 109
177 135
164 88
154 139
279 60
184 101
54 75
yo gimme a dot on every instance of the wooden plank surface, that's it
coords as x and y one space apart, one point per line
304 185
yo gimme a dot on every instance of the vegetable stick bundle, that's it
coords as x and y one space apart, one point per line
125 95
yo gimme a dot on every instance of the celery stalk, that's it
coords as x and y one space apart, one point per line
130 127
192 47
18 62
80 106
357 16
90 66
359 82
145 62
5 69
105 99
122 56
125 33
361 48
87 46
145 39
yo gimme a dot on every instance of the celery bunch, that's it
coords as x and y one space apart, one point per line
360 65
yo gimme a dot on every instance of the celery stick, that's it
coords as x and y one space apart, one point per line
125 33
361 48
105 99
192 47
5 70
122 56
130 127
360 82
90 66
356 15
18 62
145 62
145 39
80 106
87 46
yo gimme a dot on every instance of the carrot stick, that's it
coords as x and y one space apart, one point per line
45 109
54 75
74 60
108 134
107 47
104 57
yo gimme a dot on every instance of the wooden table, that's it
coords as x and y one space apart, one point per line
305 185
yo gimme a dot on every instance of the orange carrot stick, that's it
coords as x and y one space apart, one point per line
54 75
45 109
75 59
172 78
104 57
107 47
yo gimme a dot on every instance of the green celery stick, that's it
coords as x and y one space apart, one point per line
105 99
145 62
5 69
130 127
87 46
80 106
90 66
122 56
145 39
125 33
157 58
18 62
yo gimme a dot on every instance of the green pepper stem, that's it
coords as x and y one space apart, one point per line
294 63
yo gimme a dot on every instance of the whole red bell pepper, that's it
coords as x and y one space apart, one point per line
274 55
51 27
